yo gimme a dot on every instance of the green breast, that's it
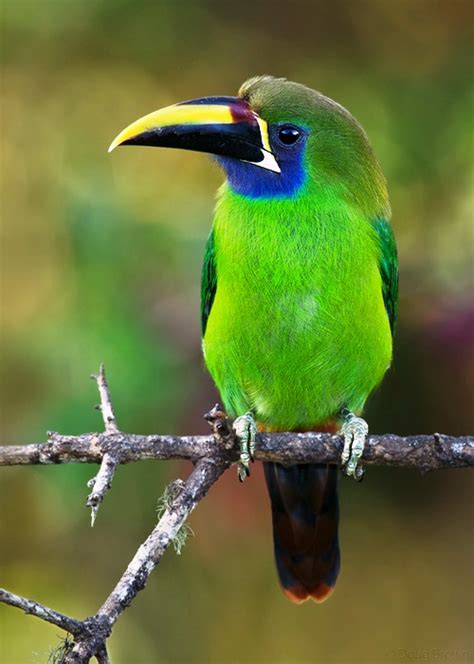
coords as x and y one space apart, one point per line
298 326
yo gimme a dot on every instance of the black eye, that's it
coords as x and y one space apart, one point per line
288 135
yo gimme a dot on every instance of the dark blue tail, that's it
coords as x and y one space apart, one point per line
305 515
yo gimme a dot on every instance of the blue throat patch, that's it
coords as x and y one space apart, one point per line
256 182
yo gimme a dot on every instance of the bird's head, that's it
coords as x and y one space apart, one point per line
276 139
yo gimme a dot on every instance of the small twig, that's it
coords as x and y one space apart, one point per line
105 405
102 482
221 426
70 625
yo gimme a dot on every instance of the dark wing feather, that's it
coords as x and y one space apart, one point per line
388 269
208 282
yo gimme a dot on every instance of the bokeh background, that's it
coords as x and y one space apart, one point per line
101 261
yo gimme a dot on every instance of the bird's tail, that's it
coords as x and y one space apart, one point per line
305 515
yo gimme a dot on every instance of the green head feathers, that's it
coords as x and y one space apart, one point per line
337 156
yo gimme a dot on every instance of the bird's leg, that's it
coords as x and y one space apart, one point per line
354 430
246 430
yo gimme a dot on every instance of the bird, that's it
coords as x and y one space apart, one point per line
298 294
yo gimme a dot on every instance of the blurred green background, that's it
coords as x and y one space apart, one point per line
101 261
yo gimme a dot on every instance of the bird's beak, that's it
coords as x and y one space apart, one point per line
224 126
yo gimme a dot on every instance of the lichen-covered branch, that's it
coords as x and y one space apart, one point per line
422 452
90 635
150 553
212 455
40 611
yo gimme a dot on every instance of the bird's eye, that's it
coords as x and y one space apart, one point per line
288 135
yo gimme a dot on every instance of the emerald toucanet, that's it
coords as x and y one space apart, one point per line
299 291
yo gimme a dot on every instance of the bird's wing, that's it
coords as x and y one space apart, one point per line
208 282
388 269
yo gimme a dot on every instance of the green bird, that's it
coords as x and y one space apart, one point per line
299 291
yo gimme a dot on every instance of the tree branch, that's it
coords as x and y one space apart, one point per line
423 452
102 482
40 611
184 500
91 634
212 455
105 405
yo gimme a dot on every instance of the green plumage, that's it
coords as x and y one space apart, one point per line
299 293
298 328
208 282
388 269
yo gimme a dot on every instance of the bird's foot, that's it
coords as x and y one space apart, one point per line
355 431
246 431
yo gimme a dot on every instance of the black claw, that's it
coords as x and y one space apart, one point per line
247 474
359 473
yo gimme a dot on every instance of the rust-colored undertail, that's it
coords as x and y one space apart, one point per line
305 515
